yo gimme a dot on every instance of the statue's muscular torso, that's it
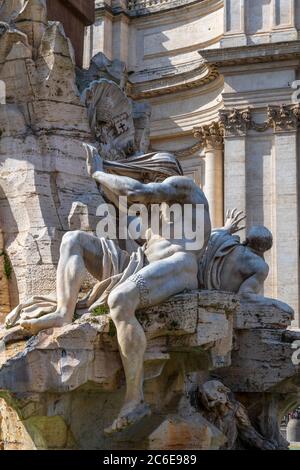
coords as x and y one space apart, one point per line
160 247
178 190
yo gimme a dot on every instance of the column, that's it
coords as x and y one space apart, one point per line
120 35
234 24
235 123
285 214
284 28
211 137
235 173
99 36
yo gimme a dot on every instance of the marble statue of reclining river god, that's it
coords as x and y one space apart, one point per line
161 265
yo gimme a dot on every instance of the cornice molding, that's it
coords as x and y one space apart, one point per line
181 81
257 53
236 122
146 8
189 151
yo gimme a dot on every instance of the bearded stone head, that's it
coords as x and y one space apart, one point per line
215 393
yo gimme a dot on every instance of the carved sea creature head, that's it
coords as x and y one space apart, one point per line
259 239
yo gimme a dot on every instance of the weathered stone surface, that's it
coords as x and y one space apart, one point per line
83 358
63 387
42 160
75 373
13 435
177 316
265 370
65 358
261 360
192 432
252 316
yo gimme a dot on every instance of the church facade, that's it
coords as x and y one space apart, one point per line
221 77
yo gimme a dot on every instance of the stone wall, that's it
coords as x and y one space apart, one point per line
44 187
62 388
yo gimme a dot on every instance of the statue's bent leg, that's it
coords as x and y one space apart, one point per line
151 286
79 251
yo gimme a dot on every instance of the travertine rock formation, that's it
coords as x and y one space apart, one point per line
43 124
262 373
72 378
60 389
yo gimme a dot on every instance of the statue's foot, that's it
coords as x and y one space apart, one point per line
128 418
52 320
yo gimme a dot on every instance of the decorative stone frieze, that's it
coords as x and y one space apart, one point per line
208 136
140 7
279 118
235 121
178 79
189 151
284 118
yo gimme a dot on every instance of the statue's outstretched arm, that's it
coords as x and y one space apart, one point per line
172 189
169 190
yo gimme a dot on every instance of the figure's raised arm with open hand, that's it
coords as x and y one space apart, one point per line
94 162
233 220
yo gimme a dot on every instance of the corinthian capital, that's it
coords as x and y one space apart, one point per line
279 118
284 118
210 135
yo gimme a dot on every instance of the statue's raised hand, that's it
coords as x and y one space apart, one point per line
233 219
94 162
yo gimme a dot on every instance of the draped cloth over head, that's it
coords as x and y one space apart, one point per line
221 243
149 167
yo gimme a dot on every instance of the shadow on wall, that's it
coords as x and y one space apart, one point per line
75 15
258 16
